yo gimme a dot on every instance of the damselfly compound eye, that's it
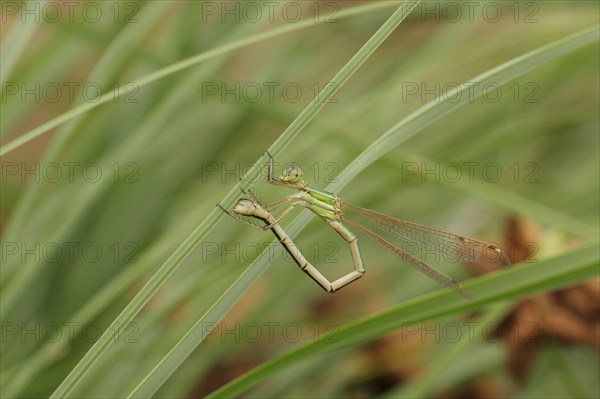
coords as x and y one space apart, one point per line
292 174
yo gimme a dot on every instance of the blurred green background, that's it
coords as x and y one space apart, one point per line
91 209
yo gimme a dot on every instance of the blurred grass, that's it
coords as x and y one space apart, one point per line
171 138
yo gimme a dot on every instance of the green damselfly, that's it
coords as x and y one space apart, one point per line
330 208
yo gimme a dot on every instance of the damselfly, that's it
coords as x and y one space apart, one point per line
330 208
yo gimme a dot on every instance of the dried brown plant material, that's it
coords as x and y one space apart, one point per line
570 316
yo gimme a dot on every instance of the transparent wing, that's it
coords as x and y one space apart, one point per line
412 261
451 246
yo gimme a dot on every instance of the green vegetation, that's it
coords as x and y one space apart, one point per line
120 277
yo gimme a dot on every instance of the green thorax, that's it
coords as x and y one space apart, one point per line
322 195
322 203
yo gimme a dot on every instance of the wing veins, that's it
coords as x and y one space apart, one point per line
412 261
451 245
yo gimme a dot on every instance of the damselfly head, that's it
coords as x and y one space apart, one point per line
292 174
